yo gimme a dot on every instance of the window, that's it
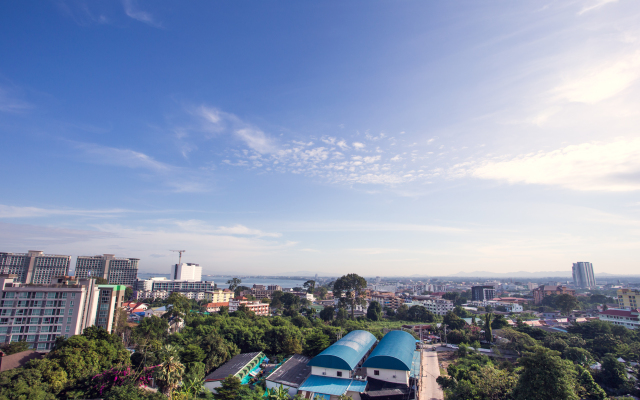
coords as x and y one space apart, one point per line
376 372
41 346
31 338
73 296
43 338
68 320
71 303
70 311
67 329
339 373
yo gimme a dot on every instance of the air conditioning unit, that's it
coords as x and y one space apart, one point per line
324 373
394 376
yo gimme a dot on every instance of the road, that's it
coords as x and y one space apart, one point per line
430 371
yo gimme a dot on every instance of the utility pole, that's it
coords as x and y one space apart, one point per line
180 257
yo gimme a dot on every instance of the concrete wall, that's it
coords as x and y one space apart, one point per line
331 372
387 375
213 385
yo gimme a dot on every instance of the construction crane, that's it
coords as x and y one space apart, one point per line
180 252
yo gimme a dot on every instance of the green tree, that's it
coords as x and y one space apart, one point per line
229 389
128 293
420 314
169 374
545 376
151 328
321 292
350 291
217 350
566 303
233 283
402 313
589 389
24 384
310 285
327 313
315 343
461 312
374 311
614 375
342 314
488 334
499 322
178 306
14 347
453 321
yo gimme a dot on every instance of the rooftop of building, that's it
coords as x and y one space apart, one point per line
332 386
232 367
292 372
621 313
346 352
394 351
18 359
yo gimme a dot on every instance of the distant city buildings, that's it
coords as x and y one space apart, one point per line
117 271
34 266
545 290
483 293
186 272
583 276
257 307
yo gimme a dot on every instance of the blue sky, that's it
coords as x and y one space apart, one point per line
383 138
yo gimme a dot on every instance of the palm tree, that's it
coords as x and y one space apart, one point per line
169 374
279 393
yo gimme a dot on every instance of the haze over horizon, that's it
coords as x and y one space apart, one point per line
381 138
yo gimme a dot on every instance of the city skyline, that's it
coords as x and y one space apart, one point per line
419 138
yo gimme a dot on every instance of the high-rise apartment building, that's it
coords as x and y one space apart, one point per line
482 293
34 266
186 272
628 298
110 298
37 314
583 276
117 271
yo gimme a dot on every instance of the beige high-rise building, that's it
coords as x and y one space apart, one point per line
117 271
34 266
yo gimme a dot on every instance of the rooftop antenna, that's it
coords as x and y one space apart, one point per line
180 257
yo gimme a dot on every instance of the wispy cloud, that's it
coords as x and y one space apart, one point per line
9 103
593 5
612 166
602 82
132 11
238 229
33 212
178 178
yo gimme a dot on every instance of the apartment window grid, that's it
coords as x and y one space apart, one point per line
26 327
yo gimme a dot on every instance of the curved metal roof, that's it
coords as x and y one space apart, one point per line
346 352
395 351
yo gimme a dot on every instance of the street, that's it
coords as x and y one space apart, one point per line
430 371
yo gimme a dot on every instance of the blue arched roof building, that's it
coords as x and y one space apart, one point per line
395 351
347 352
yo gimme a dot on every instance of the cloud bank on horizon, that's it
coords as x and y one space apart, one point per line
284 146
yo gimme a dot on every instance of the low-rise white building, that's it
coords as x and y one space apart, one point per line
627 318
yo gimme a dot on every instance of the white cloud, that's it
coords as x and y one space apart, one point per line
358 145
343 145
595 166
256 140
132 11
181 180
121 157
602 82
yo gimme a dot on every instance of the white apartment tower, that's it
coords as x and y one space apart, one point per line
186 272
34 266
117 271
